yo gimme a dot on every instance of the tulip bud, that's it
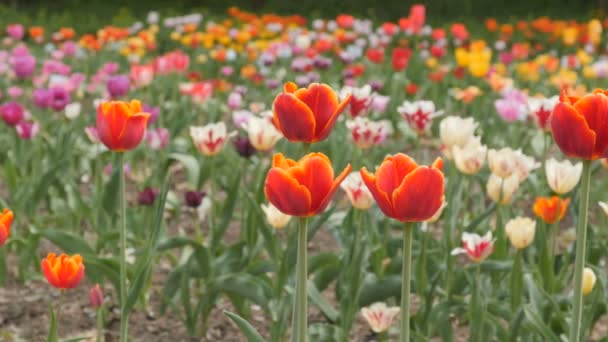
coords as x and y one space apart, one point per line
147 196
244 147
520 231
502 162
589 279
96 296
194 198
562 176
275 217
502 190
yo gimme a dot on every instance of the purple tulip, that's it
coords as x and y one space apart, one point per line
27 130
59 98
154 111
235 100
157 138
147 196
24 66
12 113
194 198
118 85
243 147
42 98
512 106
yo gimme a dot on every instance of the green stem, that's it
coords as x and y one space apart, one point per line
476 318
58 315
100 324
581 240
408 230
516 282
300 310
551 245
124 319
212 195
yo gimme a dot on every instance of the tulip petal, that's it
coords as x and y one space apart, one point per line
325 201
134 131
315 172
329 125
571 132
380 196
393 170
595 110
286 194
294 118
419 196
323 102
279 160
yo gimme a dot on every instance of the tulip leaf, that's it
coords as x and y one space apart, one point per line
317 298
325 332
191 165
245 285
69 243
380 290
52 337
537 323
228 211
246 328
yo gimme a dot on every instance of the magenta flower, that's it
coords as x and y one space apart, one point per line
42 98
14 92
27 130
59 98
154 112
12 113
15 31
24 66
157 138
118 85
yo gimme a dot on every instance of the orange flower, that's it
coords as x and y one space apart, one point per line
6 217
580 125
121 125
405 190
302 188
551 209
307 114
36 32
64 271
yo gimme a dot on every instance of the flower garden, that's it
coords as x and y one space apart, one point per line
263 177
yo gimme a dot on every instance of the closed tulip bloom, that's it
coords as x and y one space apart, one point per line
476 247
551 209
502 162
121 125
359 195
96 296
562 176
275 217
361 99
580 125
502 190
379 316
604 207
520 231
6 218
589 279
263 134
307 114
470 158
210 139
524 165
404 190
63 271
302 188
419 115
455 131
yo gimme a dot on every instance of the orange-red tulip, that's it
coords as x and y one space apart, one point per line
307 114
63 271
302 188
121 125
580 125
6 217
405 190
551 209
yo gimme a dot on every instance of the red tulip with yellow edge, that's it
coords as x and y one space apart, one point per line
303 188
551 209
404 190
580 125
121 125
6 217
63 271
307 114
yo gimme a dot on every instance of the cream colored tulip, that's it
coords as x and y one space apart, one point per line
562 176
470 158
275 217
502 162
589 279
502 190
455 131
520 231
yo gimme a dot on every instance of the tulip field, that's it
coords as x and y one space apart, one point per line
250 176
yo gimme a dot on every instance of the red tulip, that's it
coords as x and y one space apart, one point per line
580 125
405 190
121 125
6 218
302 188
307 114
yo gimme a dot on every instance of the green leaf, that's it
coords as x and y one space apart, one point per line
77 339
381 290
317 298
246 328
52 337
110 194
321 332
69 243
245 285
537 323
228 211
191 165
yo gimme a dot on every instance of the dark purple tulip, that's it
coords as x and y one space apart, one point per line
42 98
118 85
147 196
376 85
244 147
194 198
60 98
12 113
24 66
